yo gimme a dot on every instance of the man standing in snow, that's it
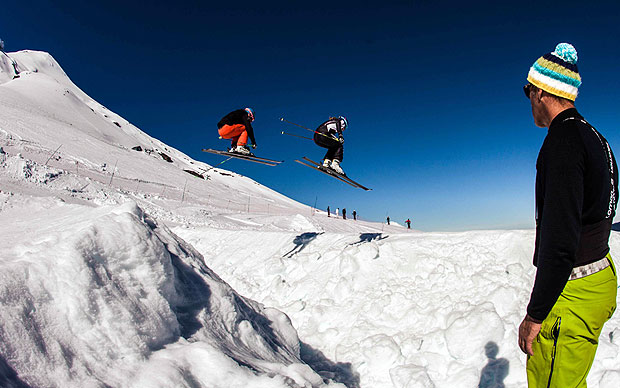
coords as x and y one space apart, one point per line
354 215
237 126
344 213
575 288
328 212
408 222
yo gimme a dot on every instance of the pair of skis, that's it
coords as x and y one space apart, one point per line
312 164
251 158
306 162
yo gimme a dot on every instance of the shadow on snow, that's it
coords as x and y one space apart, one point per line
8 376
301 242
496 370
339 372
368 237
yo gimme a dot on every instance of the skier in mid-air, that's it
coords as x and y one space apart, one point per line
329 135
237 126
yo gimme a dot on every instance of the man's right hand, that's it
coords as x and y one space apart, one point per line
528 331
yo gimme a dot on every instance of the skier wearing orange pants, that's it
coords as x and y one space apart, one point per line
237 126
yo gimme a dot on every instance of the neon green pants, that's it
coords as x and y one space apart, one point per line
565 347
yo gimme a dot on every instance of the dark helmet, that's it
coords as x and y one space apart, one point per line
250 113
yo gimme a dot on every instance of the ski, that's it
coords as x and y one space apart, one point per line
335 174
251 158
311 163
325 172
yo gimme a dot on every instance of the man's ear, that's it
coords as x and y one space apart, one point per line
538 94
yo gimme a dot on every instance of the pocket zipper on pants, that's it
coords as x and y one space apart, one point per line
555 332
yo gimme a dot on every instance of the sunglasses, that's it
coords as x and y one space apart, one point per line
527 89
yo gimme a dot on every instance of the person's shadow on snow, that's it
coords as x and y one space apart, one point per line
301 242
368 237
496 370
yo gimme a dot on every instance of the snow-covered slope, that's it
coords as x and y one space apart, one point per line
49 127
118 268
109 297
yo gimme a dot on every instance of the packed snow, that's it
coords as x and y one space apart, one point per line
125 263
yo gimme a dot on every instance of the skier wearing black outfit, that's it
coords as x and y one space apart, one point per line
329 135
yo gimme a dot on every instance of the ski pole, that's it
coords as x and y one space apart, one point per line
220 163
308 129
300 126
292 134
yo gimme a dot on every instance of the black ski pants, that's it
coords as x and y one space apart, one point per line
335 150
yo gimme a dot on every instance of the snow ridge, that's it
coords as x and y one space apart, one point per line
114 290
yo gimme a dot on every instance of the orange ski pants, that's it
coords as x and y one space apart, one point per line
236 132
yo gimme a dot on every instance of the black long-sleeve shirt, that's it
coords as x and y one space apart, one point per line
331 128
239 116
576 191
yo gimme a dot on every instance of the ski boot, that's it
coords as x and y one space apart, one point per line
327 163
242 150
336 167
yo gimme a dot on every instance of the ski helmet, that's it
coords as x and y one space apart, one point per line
250 113
343 122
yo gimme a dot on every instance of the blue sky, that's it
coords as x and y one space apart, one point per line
439 125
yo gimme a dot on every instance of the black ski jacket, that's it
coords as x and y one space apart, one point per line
576 191
328 129
239 116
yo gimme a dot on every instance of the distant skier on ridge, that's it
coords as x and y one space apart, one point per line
329 135
237 126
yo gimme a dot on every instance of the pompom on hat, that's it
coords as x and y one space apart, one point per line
557 72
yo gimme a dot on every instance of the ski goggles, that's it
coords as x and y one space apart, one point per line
527 89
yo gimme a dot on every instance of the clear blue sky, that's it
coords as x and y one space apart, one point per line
439 125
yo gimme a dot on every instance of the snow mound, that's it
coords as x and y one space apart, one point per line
110 297
40 62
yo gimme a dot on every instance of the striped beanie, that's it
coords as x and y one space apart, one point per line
557 73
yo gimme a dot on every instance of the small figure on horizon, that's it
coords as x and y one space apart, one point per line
328 212
408 222
388 220
237 126
354 215
329 135
337 211
344 213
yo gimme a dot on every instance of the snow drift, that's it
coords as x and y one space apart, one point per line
108 297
